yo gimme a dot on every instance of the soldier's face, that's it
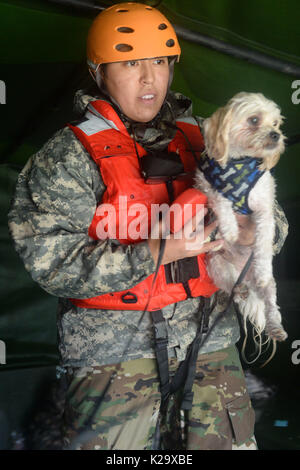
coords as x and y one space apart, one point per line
138 86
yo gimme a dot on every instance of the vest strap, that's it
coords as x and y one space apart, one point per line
188 395
185 373
161 351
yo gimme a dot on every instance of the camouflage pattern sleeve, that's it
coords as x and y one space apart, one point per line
281 228
55 200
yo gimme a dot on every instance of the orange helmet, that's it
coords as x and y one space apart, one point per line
130 31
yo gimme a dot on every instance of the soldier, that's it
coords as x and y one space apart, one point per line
133 144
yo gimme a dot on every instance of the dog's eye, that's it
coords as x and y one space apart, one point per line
275 123
254 120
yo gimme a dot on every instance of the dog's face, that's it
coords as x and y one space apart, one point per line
249 125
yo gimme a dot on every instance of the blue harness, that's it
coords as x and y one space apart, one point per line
235 181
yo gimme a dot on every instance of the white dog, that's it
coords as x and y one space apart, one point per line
243 142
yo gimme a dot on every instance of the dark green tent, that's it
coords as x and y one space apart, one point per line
227 46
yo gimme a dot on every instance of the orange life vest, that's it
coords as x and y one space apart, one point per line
106 139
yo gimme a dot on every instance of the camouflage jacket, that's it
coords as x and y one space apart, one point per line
55 200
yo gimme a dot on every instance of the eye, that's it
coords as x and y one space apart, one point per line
275 123
131 63
254 120
160 61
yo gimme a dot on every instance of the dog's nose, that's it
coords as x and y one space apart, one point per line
274 136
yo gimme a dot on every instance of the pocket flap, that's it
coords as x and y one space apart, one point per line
242 417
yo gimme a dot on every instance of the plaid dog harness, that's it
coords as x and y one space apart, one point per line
234 181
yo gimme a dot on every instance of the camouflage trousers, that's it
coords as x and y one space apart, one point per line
117 407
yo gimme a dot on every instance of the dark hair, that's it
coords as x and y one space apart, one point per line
103 68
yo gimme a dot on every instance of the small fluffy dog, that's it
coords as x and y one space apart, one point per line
243 142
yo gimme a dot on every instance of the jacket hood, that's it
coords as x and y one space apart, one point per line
81 100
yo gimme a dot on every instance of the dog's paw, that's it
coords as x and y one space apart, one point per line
274 328
277 333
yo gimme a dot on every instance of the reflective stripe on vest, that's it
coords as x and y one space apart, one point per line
114 152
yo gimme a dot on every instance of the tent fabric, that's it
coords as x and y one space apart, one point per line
43 64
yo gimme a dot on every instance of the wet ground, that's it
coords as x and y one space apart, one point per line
277 411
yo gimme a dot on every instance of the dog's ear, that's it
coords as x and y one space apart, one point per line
270 162
216 134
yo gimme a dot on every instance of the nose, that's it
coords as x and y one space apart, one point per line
147 72
274 136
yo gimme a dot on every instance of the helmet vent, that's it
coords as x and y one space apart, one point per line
170 43
121 11
123 47
162 26
125 29
148 8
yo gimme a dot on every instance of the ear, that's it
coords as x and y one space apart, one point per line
216 134
270 162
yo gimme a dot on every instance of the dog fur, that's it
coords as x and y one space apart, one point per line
248 125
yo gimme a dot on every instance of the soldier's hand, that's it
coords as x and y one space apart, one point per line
191 241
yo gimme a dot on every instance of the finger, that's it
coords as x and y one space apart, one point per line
196 220
213 246
202 233
195 248
209 229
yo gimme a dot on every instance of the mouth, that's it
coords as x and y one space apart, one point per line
148 98
271 146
